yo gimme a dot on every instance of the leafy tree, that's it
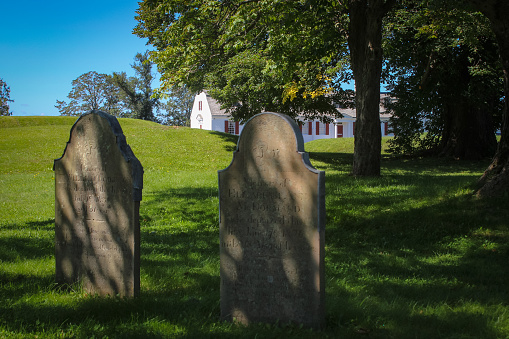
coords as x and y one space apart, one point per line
443 68
114 103
91 91
285 56
495 180
137 91
177 109
5 98
237 50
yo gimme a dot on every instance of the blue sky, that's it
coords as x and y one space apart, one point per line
45 45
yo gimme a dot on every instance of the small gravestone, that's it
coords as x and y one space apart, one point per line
272 222
98 186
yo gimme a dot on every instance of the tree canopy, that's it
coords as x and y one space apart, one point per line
285 56
178 107
290 56
116 94
495 180
250 55
443 68
91 91
138 95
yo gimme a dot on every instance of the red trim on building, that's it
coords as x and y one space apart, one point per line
226 126
310 128
327 129
236 127
317 128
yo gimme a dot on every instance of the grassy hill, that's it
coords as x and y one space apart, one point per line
408 255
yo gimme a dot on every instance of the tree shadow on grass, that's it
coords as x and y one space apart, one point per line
424 271
16 246
342 162
420 260
338 161
179 286
230 138
179 283
412 284
390 267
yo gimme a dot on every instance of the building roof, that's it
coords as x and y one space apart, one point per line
215 107
348 113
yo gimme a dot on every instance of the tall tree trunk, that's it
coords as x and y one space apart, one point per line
468 130
469 133
495 180
365 42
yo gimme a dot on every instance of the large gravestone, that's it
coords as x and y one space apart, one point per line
272 222
98 188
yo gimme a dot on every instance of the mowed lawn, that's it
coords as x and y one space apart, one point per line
411 254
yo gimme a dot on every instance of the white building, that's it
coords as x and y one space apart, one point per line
207 114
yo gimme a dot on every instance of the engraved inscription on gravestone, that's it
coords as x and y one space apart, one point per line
98 188
272 223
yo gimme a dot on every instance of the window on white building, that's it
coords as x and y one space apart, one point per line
231 127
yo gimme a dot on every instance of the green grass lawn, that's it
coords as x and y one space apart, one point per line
408 255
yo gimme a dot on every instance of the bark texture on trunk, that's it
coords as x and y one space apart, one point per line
365 42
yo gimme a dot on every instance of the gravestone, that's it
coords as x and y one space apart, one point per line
98 188
272 223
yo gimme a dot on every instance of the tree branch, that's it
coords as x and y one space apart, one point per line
427 71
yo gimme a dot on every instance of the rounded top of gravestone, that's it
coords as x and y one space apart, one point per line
270 142
275 129
98 125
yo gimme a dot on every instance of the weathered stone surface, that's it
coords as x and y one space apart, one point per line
272 223
98 186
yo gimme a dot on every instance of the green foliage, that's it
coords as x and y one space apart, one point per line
116 94
138 95
284 56
250 55
178 107
91 91
410 254
443 67
5 98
